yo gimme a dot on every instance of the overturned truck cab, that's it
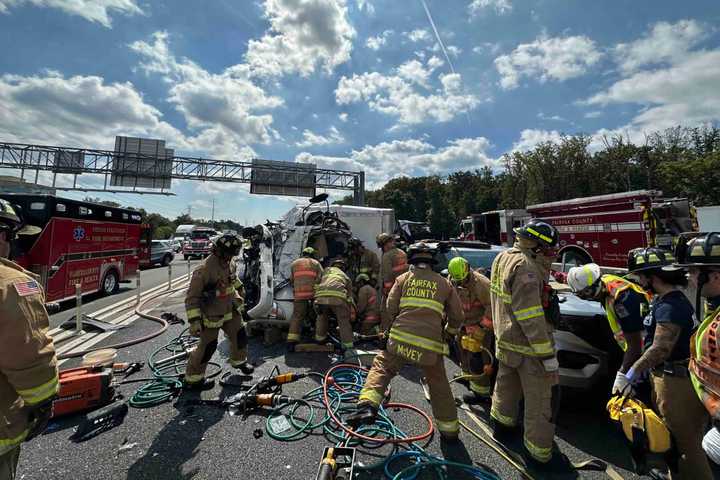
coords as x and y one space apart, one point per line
270 249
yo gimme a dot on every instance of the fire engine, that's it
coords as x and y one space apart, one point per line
494 227
198 243
93 245
602 229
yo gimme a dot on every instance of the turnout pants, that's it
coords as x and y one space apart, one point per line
234 331
342 315
473 359
8 464
687 420
301 308
386 365
525 377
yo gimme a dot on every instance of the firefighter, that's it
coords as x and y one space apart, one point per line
214 301
668 328
625 305
527 362
701 255
417 303
306 273
28 366
367 307
334 296
394 264
363 261
475 340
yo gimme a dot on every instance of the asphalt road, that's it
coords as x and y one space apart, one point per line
178 441
150 277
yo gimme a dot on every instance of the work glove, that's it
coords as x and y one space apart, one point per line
39 416
551 365
623 385
195 328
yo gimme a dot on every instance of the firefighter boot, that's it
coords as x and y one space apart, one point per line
365 414
504 434
201 386
246 368
457 378
473 398
559 464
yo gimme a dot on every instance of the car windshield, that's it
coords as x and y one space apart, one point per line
200 235
477 258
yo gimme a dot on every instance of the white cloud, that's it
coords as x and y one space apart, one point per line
227 110
684 93
410 157
302 36
453 50
93 10
418 35
487 48
365 5
554 118
666 42
593 114
397 95
530 138
77 111
501 7
311 138
547 58
343 117
374 43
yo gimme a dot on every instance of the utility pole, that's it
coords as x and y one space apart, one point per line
212 216
189 210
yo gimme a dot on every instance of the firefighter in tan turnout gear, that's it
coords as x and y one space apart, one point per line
394 263
214 301
417 303
363 261
528 367
367 305
334 296
306 273
475 340
28 366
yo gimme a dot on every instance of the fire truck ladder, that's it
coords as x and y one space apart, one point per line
76 161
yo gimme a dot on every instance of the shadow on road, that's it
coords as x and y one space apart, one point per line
177 442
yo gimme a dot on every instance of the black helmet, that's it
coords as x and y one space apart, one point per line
650 258
698 250
355 242
338 262
227 245
422 252
541 231
10 220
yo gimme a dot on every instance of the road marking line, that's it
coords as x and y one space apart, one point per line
91 338
110 309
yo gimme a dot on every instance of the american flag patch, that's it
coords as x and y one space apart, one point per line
25 288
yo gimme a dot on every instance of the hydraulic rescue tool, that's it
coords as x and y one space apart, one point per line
268 383
100 420
245 402
336 464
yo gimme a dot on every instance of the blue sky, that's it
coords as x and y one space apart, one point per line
352 84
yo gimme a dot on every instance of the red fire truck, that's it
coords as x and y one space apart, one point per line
199 242
83 243
604 228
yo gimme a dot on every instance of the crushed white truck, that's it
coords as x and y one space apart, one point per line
270 249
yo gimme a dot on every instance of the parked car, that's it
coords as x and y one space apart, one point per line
177 244
584 342
161 252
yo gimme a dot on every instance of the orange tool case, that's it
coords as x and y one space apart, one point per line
83 388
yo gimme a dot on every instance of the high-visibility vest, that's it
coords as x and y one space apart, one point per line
615 286
304 279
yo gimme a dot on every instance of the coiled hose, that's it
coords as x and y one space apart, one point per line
337 394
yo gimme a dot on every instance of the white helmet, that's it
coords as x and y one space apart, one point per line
579 278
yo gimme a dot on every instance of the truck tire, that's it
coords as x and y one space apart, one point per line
166 260
110 283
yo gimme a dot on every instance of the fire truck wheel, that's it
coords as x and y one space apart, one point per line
110 283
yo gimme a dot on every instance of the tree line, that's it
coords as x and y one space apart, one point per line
163 227
681 162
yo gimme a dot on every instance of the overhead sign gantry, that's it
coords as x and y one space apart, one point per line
146 166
